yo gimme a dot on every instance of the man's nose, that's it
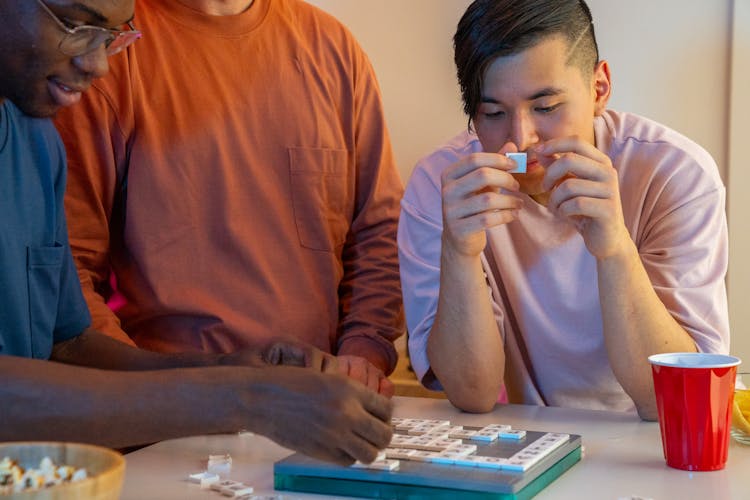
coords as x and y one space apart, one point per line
523 132
93 63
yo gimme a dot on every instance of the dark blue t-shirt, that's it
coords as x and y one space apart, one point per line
40 296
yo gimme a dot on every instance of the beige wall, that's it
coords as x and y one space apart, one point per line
670 64
409 43
670 61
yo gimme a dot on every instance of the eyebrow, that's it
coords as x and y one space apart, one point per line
546 92
90 11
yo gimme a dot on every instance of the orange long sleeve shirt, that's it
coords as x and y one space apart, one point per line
262 195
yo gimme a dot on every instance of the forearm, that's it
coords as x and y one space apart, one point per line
97 350
636 325
465 348
52 401
371 305
372 316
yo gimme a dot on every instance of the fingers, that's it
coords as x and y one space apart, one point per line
328 416
363 371
337 456
365 448
343 448
358 369
320 361
372 375
378 405
475 161
373 380
349 423
329 363
357 447
581 178
244 357
570 144
478 223
573 157
477 194
488 201
508 147
584 188
386 387
569 197
369 424
311 357
373 433
295 353
467 178
326 447
272 354
571 165
285 353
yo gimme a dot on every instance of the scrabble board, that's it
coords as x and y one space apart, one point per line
429 458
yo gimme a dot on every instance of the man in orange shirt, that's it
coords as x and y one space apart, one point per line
234 174
119 395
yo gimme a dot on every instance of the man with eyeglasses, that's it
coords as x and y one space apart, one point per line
62 380
53 78
234 175
557 283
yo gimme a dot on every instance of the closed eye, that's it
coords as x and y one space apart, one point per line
70 24
496 114
547 109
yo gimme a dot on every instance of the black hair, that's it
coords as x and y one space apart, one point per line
497 28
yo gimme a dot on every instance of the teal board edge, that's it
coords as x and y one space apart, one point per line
373 489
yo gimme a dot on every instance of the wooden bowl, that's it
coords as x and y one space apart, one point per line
105 469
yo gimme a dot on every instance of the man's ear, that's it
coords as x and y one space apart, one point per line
602 87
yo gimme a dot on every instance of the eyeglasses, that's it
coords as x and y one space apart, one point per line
81 40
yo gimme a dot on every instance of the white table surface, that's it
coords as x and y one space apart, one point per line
622 458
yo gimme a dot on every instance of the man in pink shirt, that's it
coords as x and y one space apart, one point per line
557 283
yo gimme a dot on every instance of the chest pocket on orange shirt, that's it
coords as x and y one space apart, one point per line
43 274
321 195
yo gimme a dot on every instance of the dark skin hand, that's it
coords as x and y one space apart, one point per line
290 352
286 390
339 420
324 415
334 417
86 350
331 417
283 352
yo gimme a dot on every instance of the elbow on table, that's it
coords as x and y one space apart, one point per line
471 392
648 413
473 401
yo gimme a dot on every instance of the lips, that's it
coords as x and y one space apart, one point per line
63 94
532 166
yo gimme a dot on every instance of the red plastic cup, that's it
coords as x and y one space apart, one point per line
694 394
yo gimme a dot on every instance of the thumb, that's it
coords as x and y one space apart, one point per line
508 147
